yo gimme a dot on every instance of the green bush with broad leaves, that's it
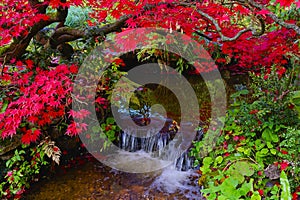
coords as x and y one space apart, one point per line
257 155
22 168
25 166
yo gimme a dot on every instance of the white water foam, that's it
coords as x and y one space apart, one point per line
167 180
171 181
136 162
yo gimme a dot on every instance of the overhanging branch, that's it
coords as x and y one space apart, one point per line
275 18
219 30
19 45
67 34
216 24
97 31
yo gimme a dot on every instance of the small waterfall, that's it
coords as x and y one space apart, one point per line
184 162
159 143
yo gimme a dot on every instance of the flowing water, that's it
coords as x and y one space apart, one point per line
175 178
96 181
93 180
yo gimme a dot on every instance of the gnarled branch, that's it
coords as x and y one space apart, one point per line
66 34
19 45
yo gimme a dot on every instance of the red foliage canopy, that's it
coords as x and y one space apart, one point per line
246 31
250 34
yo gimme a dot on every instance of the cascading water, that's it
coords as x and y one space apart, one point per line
157 144
97 181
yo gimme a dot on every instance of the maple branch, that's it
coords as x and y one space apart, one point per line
109 28
18 47
275 18
219 30
216 24
67 34
203 35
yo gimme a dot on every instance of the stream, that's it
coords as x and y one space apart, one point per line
93 180
176 178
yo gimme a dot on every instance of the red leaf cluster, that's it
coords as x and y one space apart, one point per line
42 97
30 136
16 19
247 53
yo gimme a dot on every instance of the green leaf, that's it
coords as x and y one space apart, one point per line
237 176
270 136
244 92
296 100
222 197
274 137
21 152
266 134
259 145
286 190
264 151
206 165
219 159
296 95
255 196
230 148
246 187
207 161
270 125
247 152
273 151
4 106
229 185
110 120
113 127
8 163
245 168
269 145
240 149
278 127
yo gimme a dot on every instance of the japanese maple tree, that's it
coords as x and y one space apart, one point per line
246 35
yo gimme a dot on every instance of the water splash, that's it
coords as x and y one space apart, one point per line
173 181
159 145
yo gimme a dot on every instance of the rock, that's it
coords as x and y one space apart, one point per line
9 145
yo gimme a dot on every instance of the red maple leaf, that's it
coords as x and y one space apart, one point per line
284 165
30 136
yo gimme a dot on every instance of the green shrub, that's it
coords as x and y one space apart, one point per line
257 154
